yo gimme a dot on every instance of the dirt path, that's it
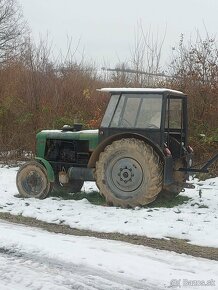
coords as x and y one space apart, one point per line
176 245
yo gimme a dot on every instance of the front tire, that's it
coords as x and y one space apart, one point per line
32 180
129 173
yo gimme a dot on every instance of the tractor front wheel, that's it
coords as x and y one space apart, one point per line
129 173
32 180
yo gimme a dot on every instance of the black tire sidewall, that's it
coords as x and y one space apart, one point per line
148 160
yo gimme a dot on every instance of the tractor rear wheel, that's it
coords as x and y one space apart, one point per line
73 187
32 180
129 173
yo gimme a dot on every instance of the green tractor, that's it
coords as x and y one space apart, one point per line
139 152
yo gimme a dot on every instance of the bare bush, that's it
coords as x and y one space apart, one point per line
37 93
195 70
195 66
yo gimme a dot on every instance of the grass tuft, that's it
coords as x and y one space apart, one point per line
95 198
168 203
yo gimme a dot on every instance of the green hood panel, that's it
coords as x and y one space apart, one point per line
41 137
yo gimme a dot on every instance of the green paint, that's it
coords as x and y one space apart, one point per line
41 137
40 144
48 167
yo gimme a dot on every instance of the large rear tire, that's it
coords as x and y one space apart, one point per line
32 180
129 173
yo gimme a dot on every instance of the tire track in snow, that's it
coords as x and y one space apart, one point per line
170 244
25 270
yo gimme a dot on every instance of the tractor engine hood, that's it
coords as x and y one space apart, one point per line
89 135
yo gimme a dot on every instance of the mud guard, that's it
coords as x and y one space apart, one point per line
49 169
100 148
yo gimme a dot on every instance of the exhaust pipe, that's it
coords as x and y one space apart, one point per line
81 173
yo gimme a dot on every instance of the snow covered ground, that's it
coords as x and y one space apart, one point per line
34 259
196 220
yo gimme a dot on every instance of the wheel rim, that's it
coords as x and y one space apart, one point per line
126 175
33 183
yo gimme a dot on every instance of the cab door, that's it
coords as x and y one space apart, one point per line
176 125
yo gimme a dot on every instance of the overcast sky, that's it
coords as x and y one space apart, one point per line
106 29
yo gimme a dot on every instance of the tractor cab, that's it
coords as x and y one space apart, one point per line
160 115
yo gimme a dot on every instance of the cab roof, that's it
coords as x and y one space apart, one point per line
141 90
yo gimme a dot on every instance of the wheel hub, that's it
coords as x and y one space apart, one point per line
33 183
127 174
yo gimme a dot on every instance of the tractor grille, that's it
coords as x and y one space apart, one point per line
67 151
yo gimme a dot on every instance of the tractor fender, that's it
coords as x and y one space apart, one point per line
95 155
49 169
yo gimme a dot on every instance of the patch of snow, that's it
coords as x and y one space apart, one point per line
143 90
196 220
35 259
81 132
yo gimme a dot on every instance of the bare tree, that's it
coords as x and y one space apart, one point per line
146 55
144 66
12 28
